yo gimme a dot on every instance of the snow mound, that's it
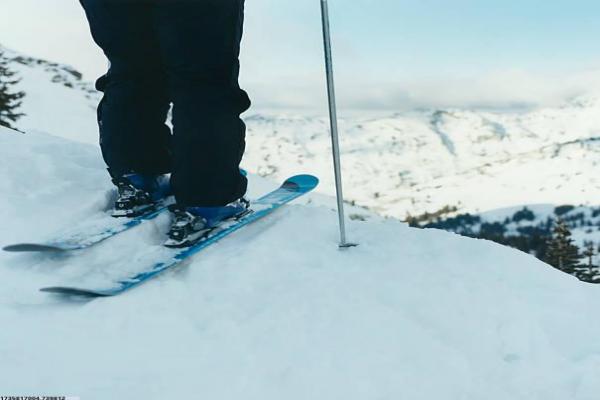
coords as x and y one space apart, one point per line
276 311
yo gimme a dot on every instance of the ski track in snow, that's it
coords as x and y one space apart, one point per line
276 310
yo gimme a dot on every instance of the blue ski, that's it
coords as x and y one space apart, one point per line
87 234
291 189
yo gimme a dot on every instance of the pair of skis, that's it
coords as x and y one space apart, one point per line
80 239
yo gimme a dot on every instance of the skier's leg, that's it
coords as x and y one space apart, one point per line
132 114
200 44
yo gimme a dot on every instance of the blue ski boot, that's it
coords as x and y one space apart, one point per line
140 194
191 224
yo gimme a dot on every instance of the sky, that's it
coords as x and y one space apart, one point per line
388 54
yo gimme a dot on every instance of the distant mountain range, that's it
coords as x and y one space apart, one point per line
423 161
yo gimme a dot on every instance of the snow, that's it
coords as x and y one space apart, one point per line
276 310
56 99
394 163
423 161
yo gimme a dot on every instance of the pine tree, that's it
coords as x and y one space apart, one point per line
589 252
10 101
562 253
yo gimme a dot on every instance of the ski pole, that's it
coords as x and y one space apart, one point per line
334 124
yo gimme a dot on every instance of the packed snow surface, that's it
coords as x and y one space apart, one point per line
276 311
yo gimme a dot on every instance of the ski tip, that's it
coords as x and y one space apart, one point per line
32 247
70 291
302 182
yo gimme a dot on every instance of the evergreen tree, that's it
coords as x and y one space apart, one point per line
562 253
589 252
10 101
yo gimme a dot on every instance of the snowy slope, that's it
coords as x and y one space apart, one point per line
277 311
56 98
423 161
530 229
394 164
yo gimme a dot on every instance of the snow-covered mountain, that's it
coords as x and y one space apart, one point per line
56 98
399 164
423 161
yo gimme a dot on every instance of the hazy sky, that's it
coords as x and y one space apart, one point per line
392 54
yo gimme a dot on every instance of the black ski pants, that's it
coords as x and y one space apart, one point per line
179 52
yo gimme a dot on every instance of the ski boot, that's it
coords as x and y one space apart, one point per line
192 224
140 194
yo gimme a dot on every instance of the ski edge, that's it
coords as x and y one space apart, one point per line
36 248
73 291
